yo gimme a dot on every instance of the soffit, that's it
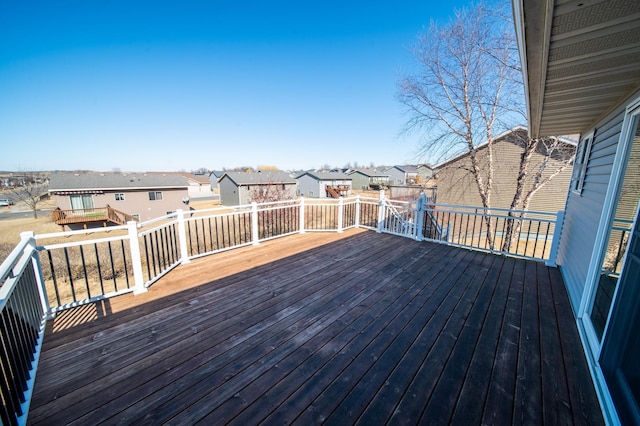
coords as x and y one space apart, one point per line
592 61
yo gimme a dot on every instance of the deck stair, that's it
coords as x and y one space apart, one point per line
337 191
401 222
432 229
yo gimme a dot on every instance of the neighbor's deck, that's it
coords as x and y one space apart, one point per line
366 328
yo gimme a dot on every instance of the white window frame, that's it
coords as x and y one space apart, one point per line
583 152
119 196
157 195
625 140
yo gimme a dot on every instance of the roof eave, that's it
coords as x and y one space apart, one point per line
533 21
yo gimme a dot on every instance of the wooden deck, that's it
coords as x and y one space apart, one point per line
354 328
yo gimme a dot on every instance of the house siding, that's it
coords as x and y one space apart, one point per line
359 180
425 173
396 175
456 184
229 192
232 194
308 186
583 211
135 202
315 185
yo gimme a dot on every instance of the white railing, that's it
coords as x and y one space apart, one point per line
520 233
48 273
23 311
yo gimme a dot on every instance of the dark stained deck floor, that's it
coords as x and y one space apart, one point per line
368 329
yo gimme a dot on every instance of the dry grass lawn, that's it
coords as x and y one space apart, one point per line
10 229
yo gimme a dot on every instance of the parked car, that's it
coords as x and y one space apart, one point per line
5 202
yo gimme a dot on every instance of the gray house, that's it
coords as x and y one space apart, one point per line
402 175
99 199
581 65
425 173
324 184
241 188
368 178
214 176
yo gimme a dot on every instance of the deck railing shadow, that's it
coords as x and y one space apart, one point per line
47 274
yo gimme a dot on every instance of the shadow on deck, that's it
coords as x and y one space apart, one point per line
364 328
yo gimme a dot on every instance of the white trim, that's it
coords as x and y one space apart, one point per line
592 345
599 383
518 19
617 171
580 164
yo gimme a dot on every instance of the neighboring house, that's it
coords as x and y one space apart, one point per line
240 188
214 176
199 185
457 185
402 175
324 184
101 199
425 174
581 64
368 178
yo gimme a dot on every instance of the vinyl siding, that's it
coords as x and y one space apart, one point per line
308 186
584 210
229 195
359 180
136 202
456 185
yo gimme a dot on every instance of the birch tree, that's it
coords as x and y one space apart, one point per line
467 90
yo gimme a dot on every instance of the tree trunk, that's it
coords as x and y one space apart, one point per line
513 224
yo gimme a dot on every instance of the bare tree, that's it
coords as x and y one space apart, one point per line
30 190
272 221
269 192
469 90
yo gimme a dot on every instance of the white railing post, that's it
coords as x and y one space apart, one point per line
254 224
555 243
358 211
29 238
182 237
302 231
340 213
136 259
420 217
381 212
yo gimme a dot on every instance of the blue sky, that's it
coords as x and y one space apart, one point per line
168 85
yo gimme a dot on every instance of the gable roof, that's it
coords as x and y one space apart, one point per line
63 181
368 172
264 177
579 60
407 168
505 136
326 175
201 179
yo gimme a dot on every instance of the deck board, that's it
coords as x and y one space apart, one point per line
358 328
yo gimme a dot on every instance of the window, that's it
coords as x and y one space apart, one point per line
580 163
119 197
81 202
155 195
136 216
